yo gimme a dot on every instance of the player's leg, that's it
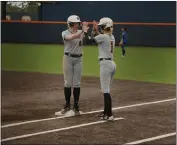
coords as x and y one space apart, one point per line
68 79
123 50
112 68
105 80
77 73
113 72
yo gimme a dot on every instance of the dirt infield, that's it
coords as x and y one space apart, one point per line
30 96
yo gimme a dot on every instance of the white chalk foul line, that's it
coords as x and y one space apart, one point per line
91 112
55 130
151 139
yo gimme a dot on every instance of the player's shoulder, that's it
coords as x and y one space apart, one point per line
65 32
99 36
102 35
112 37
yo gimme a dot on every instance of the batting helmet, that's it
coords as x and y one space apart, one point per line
105 23
73 19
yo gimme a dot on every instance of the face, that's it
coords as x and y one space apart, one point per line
76 26
122 29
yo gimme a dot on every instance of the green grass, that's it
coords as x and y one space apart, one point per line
141 63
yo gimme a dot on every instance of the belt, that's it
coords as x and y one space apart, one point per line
105 59
73 55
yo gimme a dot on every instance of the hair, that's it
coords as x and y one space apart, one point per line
71 24
108 30
125 29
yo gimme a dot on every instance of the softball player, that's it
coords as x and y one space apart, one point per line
124 39
72 61
106 44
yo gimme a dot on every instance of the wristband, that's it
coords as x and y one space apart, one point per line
85 33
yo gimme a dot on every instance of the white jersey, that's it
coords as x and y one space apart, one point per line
72 46
106 44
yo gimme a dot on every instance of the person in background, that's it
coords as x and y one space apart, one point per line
123 40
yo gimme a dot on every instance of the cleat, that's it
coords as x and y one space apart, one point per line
107 118
100 115
76 109
66 108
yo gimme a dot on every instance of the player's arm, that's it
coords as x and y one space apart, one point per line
99 38
88 37
122 39
71 36
95 30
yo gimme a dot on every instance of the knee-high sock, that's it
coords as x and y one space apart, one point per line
108 104
76 93
67 93
123 50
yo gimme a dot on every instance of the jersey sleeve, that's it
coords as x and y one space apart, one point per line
64 33
99 38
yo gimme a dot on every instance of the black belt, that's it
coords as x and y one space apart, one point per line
73 55
105 59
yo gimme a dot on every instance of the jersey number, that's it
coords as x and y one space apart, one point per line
112 47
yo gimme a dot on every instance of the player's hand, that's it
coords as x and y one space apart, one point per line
120 43
85 26
95 25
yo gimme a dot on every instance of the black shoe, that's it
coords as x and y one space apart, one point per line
123 55
107 118
101 115
76 109
66 108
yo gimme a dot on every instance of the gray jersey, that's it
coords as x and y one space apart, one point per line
72 46
106 44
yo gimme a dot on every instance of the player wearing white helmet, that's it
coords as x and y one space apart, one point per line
106 44
72 61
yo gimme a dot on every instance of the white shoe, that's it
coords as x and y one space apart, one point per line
58 113
106 118
111 118
70 113
67 107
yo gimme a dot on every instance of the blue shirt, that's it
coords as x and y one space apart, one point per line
124 37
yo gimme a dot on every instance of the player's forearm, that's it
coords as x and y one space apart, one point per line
73 36
94 33
90 38
87 35
97 32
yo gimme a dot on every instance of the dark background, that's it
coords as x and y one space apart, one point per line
125 11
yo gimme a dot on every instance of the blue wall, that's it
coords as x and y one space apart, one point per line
88 11
119 11
51 33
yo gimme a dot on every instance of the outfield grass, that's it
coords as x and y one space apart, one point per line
141 63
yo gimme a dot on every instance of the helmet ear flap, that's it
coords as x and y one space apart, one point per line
102 27
71 24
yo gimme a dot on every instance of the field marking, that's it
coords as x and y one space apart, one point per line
151 139
56 130
91 112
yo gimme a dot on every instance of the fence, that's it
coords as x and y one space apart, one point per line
139 34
